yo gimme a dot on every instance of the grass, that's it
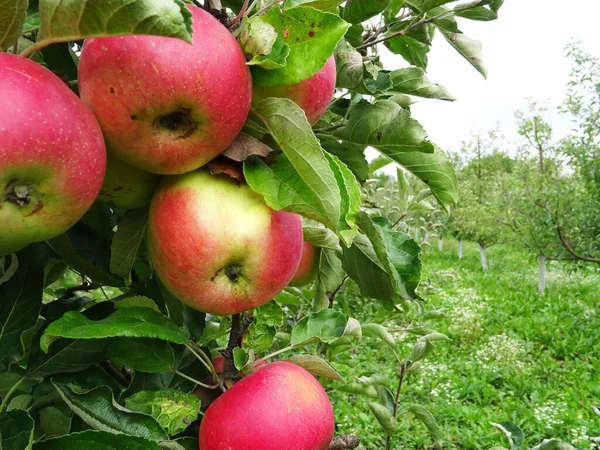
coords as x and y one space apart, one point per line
514 355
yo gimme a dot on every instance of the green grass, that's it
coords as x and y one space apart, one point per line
514 355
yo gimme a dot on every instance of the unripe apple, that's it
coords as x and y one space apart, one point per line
312 95
52 155
309 265
280 406
217 246
126 186
164 105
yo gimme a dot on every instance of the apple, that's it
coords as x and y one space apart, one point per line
280 406
312 95
218 363
217 246
52 155
166 106
126 186
309 265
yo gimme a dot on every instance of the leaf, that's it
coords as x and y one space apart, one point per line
137 301
380 332
32 22
469 48
20 302
245 146
63 21
240 358
426 5
317 4
128 322
311 35
147 355
12 19
126 242
432 337
420 351
349 67
262 45
551 444
16 430
387 127
353 329
385 418
19 402
96 440
184 443
316 365
6 274
512 432
330 276
352 155
428 420
173 410
325 326
99 410
317 234
357 11
436 170
413 81
413 51
53 422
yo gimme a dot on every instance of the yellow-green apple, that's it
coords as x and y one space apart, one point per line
217 246
312 95
52 155
309 265
164 105
126 186
280 406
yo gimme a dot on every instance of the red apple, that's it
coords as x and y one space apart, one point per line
280 406
52 155
219 363
309 265
164 105
217 246
312 95
126 186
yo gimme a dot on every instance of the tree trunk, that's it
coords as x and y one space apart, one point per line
440 244
483 254
541 274
459 249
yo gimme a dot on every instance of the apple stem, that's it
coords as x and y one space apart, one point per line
207 386
204 359
242 12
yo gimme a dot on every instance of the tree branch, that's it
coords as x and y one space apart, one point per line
344 442
235 340
115 373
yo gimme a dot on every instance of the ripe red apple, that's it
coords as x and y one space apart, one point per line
217 246
164 105
309 265
126 186
219 363
312 95
52 155
280 406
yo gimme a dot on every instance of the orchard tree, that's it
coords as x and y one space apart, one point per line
234 132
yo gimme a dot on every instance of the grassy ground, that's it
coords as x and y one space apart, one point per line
513 356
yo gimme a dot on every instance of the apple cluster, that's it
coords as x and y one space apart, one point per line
152 112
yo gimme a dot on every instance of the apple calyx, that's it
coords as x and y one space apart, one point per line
179 124
233 272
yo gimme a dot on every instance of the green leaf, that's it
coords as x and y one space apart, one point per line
420 351
311 35
262 45
387 127
16 430
390 13
385 418
19 402
349 67
512 432
436 170
20 302
8 272
357 11
426 5
317 4
432 337
330 276
137 301
126 243
552 444
147 355
413 81
317 234
99 410
128 322
413 51
316 365
240 358
183 443
428 420
469 48
380 332
32 22
74 20
480 13
173 410
53 422
96 440
11 21
325 326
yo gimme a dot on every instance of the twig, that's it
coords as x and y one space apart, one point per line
397 398
115 373
242 12
344 442
334 293
264 10
235 340
207 386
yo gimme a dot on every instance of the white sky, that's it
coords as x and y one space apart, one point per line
524 54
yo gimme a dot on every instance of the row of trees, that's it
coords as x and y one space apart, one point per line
542 191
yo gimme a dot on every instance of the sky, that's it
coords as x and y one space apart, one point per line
524 53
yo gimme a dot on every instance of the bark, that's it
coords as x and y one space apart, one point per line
459 249
440 244
483 255
541 274
344 442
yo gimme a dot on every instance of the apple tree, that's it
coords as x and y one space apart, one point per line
162 165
